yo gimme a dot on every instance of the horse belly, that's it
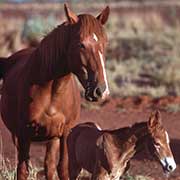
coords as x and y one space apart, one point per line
13 101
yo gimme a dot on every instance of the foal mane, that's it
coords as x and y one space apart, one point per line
138 129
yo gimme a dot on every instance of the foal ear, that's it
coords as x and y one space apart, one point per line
72 18
103 16
155 119
129 147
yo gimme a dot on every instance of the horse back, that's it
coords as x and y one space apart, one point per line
7 63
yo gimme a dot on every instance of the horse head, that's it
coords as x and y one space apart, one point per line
159 143
86 52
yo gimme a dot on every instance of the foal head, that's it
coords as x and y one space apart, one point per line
86 52
159 142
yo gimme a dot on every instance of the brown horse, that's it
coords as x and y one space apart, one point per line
106 153
40 98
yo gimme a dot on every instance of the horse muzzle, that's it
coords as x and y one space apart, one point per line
95 93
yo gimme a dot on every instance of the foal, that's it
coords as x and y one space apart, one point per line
106 153
101 153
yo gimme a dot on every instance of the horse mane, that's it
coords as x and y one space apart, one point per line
50 53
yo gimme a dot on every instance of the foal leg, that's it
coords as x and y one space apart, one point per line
74 172
50 158
23 159
63 159
99 172
74 168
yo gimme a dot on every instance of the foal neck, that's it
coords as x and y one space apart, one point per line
140 130
49 60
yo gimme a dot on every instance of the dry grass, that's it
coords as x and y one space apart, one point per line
7 169
145 62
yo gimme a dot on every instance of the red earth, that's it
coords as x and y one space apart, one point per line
116 113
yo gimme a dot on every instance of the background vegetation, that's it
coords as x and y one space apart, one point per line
144 40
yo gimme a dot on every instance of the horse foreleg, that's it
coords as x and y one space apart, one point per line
50 158
63 160
23 159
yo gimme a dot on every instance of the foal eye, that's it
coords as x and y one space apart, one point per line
157 145
82 46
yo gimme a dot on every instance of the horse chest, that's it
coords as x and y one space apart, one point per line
46 115
49 108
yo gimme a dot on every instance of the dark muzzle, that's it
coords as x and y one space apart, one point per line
94 93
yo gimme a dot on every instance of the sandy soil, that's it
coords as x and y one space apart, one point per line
115 113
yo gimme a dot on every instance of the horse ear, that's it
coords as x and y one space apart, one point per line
72 18
103 16
155 119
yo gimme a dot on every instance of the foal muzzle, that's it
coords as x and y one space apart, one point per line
168 164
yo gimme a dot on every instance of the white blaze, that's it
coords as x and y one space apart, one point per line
106 92
95 37
167 137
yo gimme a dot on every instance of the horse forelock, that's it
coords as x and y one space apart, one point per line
90 26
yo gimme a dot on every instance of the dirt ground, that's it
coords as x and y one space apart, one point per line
116 113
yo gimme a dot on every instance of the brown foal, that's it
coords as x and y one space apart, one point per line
106 153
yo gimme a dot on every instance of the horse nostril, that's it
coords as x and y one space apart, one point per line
97 92
170 168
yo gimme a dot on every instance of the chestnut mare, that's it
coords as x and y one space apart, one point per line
107 153
40 98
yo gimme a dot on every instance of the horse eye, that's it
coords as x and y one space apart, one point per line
82 46
85 73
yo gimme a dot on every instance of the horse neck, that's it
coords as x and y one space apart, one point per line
49 60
